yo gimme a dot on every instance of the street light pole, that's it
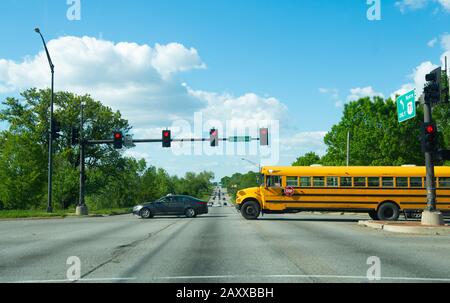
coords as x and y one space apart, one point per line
50 141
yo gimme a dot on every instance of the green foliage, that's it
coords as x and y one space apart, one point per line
113 181
240 181
307 160
376 136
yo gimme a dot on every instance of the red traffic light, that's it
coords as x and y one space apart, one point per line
118 135
430 129
166 138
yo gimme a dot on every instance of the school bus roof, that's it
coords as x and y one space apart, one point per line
356 171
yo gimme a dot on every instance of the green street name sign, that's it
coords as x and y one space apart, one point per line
406 106
240 139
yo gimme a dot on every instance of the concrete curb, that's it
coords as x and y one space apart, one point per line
33 218
401 227
69 216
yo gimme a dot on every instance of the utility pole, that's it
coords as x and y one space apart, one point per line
348 148
82 209
50 139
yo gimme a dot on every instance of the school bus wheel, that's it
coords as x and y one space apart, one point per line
388 211
250 210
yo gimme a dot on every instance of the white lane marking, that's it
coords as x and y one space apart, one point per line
300 276
239 277
69 281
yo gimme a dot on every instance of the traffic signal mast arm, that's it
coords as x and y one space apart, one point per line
94 142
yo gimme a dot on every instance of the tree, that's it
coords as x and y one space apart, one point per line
307 160
26 142
376 136
240 181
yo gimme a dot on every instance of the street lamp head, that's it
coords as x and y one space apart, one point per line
37 30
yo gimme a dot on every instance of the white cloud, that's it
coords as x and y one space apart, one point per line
358 93
445 42
304 142
405 5
355 94
174 57
239 110
334 95
136 79
445 4
432 42
418 78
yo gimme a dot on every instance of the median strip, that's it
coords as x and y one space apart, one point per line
407 227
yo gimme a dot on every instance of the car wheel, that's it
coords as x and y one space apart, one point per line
146 213
388 212
250 210
373 215
190 213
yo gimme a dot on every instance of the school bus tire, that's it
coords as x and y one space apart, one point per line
251 210
388 211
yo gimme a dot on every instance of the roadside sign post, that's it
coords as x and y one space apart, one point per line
406 106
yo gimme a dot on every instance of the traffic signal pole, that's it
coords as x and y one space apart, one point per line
431 215
82 209
429 163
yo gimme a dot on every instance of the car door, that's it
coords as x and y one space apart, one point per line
161 206
177 205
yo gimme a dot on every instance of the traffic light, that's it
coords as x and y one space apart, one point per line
166 139
264 136
433 88
214 137
56 129
75 137
118 140
429 138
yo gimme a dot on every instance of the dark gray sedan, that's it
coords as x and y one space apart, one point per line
172 205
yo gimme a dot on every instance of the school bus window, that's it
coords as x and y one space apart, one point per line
402 182
319 181
346 181
374 182
292 181
360 182
332 182
273 181
416 182
305 181
388 182
444 182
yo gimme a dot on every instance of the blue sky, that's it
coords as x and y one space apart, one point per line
307 55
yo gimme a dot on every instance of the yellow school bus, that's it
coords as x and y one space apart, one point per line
382 192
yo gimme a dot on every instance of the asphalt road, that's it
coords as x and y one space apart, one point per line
218 247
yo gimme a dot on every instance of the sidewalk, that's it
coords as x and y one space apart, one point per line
407 227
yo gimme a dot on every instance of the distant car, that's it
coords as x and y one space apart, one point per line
172 205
